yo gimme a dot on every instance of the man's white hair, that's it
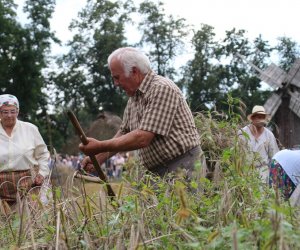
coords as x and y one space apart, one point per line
130 57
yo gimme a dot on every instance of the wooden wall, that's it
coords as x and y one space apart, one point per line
288 124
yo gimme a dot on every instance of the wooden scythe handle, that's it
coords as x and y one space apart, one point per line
84 141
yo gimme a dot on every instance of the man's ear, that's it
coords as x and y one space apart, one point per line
137 75
135 70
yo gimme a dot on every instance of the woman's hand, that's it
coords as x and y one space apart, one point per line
38 180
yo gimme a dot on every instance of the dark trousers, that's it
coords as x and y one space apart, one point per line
185 162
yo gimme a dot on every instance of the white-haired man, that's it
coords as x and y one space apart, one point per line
157 120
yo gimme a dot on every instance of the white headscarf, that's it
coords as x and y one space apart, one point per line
7 99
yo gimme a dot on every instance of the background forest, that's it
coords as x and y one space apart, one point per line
79 79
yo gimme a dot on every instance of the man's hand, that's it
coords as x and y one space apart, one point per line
92 148
38 180
87 164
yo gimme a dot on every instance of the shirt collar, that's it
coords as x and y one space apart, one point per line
145 85
2 131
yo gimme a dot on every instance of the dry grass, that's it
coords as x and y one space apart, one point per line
231 210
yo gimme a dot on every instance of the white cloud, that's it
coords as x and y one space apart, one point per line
65 11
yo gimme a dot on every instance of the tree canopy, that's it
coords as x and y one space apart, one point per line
80 80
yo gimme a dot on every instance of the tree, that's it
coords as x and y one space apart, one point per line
162 35
245 84
23 55
83 81
16 58
9 30
217 70
288 51
203 77
86 77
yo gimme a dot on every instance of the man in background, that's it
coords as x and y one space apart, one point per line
260 141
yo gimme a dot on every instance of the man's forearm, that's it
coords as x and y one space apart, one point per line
102 157
131 141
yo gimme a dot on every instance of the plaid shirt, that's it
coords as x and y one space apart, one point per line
158 106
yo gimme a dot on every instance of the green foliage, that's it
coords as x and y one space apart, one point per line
23 57
234 209
26 57
84 81
202 78
163 35
215 70
288 51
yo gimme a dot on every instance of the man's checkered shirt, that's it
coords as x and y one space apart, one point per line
158 106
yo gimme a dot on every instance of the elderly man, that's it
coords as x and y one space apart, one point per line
157 120
260 140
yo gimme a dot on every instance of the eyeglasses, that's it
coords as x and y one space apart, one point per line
7 112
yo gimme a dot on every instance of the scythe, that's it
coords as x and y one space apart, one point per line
84 141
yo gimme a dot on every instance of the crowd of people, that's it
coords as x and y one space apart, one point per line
71 161
112 167
157 123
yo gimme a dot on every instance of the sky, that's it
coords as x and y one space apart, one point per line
270 18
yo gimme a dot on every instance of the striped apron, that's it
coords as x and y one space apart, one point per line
13 182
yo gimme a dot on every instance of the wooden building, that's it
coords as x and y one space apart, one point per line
284 103
288 124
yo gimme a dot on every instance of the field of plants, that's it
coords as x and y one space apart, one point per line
229 209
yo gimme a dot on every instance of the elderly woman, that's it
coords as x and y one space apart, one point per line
21 148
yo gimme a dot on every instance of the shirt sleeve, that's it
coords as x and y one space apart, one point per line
160 110
273 147
41 153
124 127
